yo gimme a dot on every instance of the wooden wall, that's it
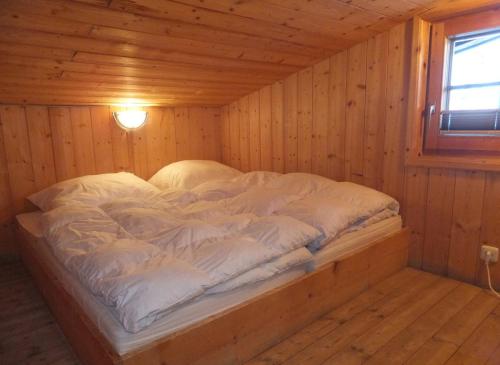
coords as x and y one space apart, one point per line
40 145
345 118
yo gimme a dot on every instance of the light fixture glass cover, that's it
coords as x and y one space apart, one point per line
130 119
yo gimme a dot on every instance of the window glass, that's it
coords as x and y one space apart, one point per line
474 81
475 98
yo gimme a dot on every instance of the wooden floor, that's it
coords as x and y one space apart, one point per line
28 332
411 318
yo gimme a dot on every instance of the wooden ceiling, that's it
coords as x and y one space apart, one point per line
179 52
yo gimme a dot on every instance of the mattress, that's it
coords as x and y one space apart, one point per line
357 241
124 342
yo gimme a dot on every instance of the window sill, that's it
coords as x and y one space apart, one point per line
462 162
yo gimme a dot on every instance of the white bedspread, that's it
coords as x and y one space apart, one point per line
146 255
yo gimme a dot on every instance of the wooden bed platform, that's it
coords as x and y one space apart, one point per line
238 334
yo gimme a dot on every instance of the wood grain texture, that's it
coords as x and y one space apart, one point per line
416 185
355 113
463 259
410 318
490 224
83 143
234 135
438 220
451 329
18 154
377 53
101 136
290 123
363 113
29 334
244 120
337 114
319 331
266 136
226 135
40 141
320 116
254 131
396 103
6 206
304 119
180 53
40 145
277 129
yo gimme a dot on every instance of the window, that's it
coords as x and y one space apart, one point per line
472 90
463 99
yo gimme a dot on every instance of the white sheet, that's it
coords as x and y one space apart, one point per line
357 240
124 342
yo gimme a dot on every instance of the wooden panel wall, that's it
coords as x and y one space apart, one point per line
40 145
345 118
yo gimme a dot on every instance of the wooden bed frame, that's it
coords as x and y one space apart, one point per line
240 333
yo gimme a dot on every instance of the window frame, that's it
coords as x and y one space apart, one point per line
414 153
438 78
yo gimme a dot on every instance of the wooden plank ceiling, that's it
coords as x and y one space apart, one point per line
177 52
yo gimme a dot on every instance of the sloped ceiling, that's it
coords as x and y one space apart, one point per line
182 52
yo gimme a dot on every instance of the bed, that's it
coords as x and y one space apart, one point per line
365 254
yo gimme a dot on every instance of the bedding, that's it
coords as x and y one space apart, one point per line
204 306
191 246
353 240
339 206
265 271
92 189
226 188
190 173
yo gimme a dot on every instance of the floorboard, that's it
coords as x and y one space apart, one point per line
28 332
410 318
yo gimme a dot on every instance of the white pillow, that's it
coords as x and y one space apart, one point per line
259 201
223 188
190 173
92 190
300 183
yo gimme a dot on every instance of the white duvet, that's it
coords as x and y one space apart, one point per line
146 253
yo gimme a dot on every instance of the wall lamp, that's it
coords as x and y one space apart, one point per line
130 119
